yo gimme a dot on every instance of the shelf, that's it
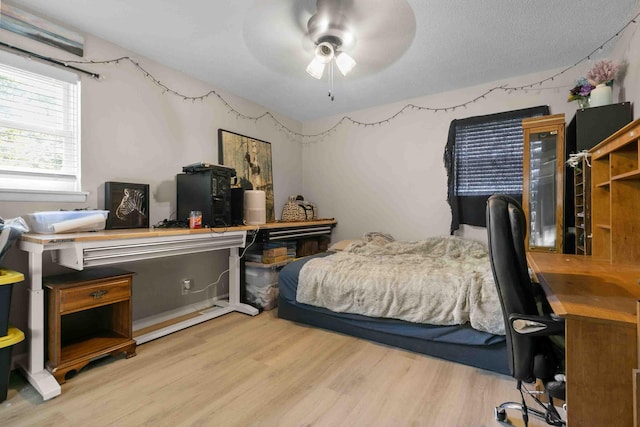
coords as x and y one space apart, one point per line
616 199
96 344
582 207
628 175
548 176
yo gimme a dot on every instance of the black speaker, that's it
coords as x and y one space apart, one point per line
237 206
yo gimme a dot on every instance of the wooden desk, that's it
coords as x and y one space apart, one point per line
82 250
598 301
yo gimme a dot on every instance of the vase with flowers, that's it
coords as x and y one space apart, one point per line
601 76
596 88
580 92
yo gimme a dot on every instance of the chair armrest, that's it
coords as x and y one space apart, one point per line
525 324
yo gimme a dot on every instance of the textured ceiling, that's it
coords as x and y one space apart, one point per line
455 44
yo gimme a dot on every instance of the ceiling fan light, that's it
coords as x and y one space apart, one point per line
345 63
324 52
316 68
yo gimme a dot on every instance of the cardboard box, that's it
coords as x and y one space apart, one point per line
274 252
307 247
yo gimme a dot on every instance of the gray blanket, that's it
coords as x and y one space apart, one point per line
440 281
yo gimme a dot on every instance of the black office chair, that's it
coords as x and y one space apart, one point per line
528 324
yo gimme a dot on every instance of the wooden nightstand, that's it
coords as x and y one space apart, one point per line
89 315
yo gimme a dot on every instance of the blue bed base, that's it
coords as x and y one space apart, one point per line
460 344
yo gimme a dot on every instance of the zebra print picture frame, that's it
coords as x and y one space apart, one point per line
128 205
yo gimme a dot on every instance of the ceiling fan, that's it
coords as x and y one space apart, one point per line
333 33
313 35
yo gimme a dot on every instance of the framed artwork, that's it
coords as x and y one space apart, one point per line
251 158
128 205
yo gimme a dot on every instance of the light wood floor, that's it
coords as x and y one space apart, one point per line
238 370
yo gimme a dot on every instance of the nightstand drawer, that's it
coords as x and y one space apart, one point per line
94 295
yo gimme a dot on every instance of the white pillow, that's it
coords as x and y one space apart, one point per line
339 246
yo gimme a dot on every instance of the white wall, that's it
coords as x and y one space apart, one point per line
626 51
391 177
132 132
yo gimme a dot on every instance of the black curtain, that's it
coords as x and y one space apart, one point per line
470 209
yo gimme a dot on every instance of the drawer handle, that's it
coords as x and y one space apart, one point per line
98 294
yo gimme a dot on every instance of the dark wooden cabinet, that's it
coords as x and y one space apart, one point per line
587 128
590 126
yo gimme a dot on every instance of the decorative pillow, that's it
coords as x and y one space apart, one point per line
378 238
342 244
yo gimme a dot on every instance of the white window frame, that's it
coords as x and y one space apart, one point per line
29 186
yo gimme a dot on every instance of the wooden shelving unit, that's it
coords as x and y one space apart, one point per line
616 196
582 206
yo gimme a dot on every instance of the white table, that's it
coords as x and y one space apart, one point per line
80 250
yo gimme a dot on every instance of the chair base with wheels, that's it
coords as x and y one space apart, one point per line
547 411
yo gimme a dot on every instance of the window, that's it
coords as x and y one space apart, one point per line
39 129
484 157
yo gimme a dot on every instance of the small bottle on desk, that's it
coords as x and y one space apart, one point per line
195 219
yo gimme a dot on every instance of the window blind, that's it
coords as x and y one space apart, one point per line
39 129
489 157
483 156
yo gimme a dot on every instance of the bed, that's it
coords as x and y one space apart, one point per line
316 304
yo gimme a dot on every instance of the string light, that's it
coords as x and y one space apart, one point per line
321 135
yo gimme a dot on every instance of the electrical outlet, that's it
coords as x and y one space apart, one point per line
186 286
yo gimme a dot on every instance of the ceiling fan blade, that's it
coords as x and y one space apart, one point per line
274 33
